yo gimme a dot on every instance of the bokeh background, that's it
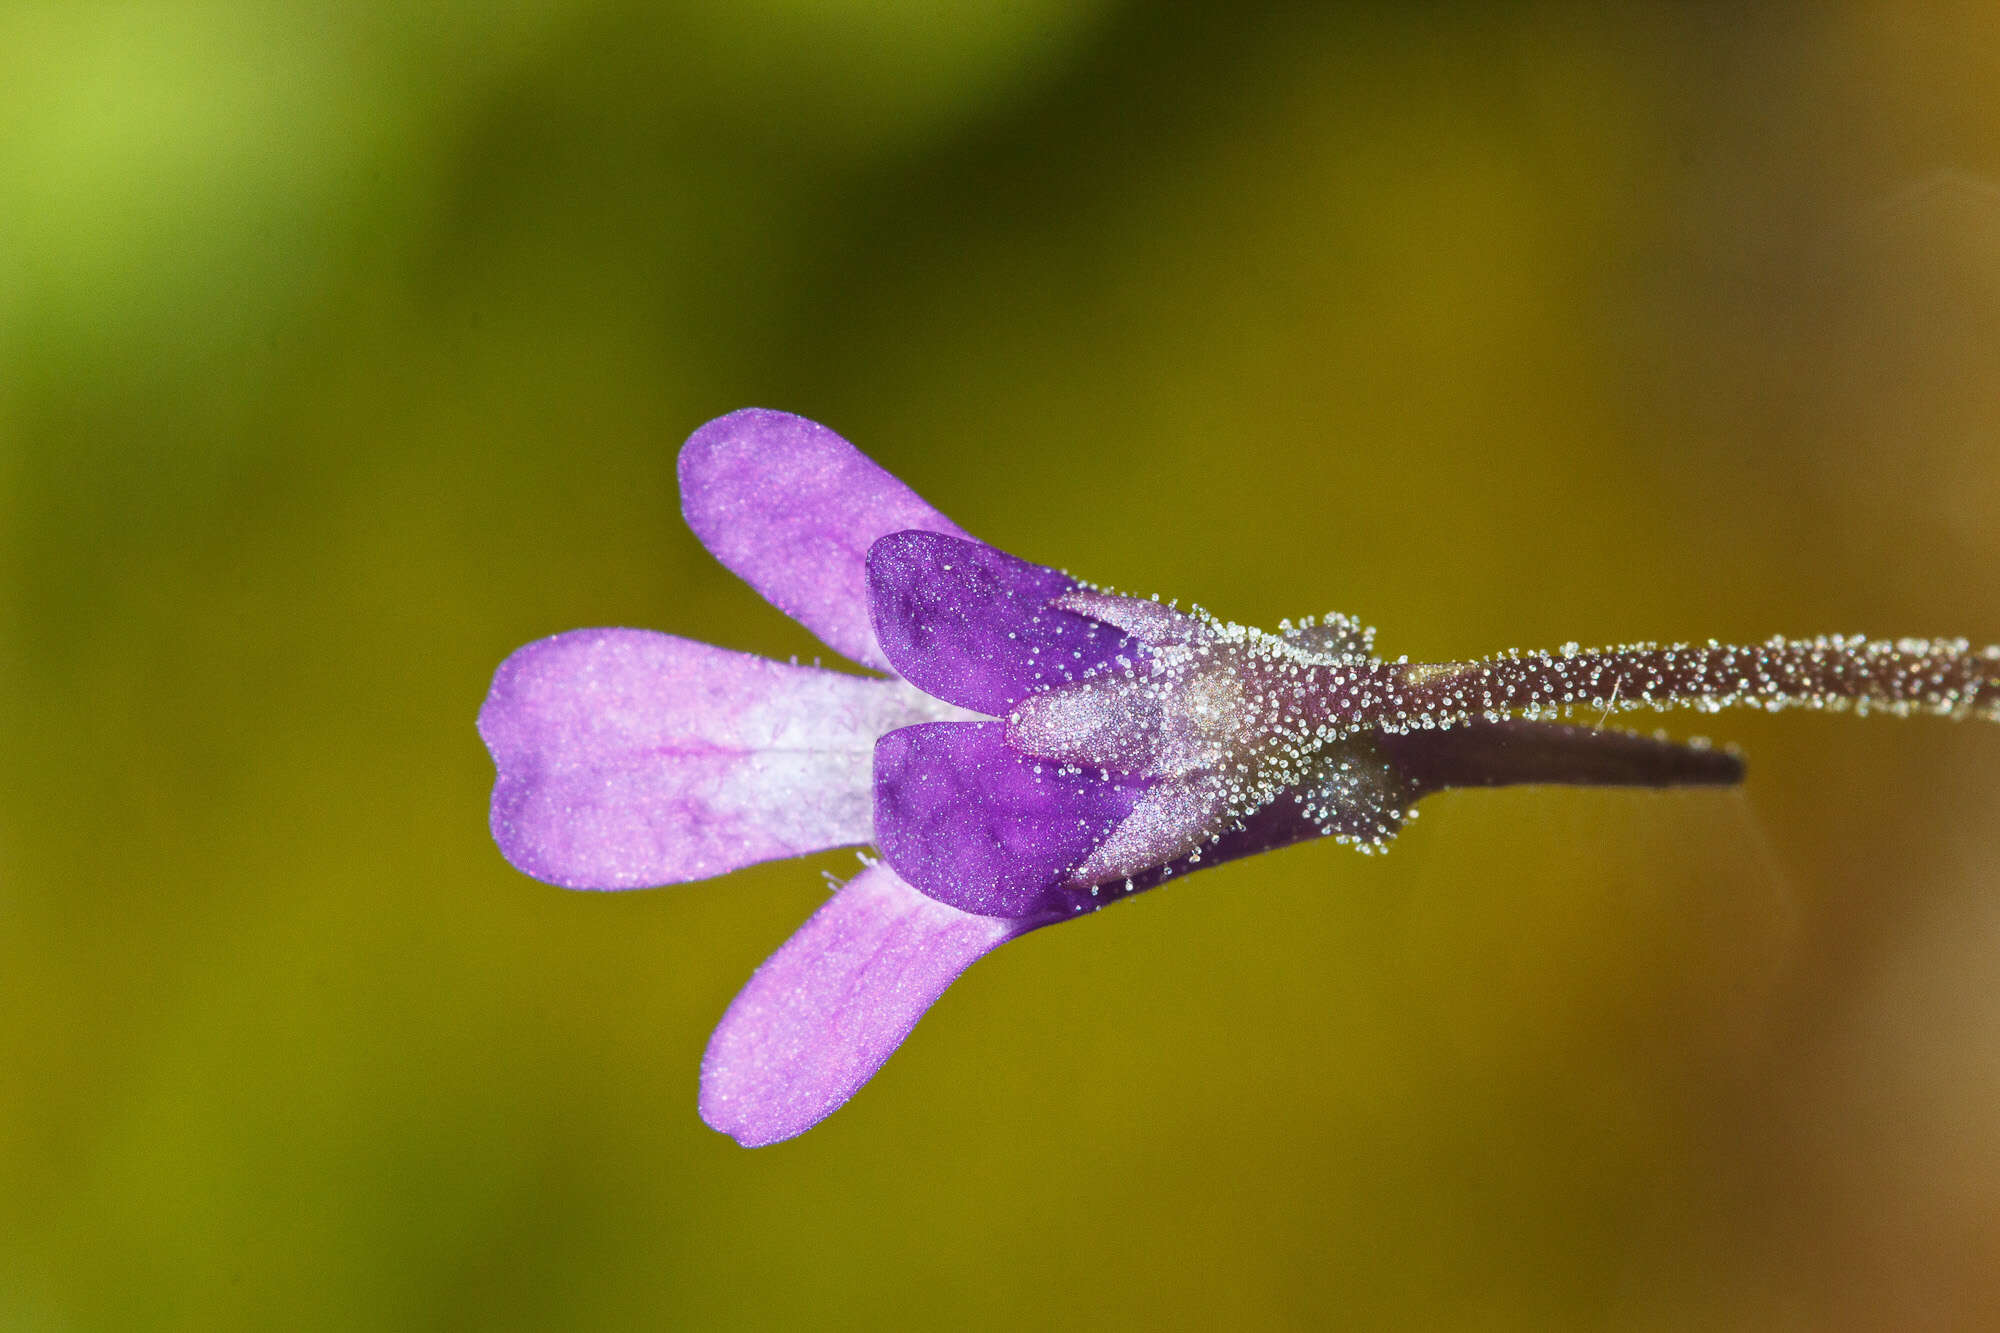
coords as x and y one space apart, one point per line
346 347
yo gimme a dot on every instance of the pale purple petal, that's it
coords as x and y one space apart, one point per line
973 822
823 1013
628 758
972 624
792 509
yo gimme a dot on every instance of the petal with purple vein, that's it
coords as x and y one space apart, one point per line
628 758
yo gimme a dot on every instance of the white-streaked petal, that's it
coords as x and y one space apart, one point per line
628 758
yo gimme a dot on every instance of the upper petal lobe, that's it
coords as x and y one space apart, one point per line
792 509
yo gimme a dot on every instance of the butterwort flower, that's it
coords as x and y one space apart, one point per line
1033 748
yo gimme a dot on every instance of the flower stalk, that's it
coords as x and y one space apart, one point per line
1945 678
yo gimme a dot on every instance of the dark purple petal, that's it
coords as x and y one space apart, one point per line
822 1014
976 824
971 624
792 509
628 758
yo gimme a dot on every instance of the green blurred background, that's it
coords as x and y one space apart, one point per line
346 347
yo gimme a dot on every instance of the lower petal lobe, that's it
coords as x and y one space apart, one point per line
836 999
972 822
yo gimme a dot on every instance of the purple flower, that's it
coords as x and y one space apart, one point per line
1037 749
